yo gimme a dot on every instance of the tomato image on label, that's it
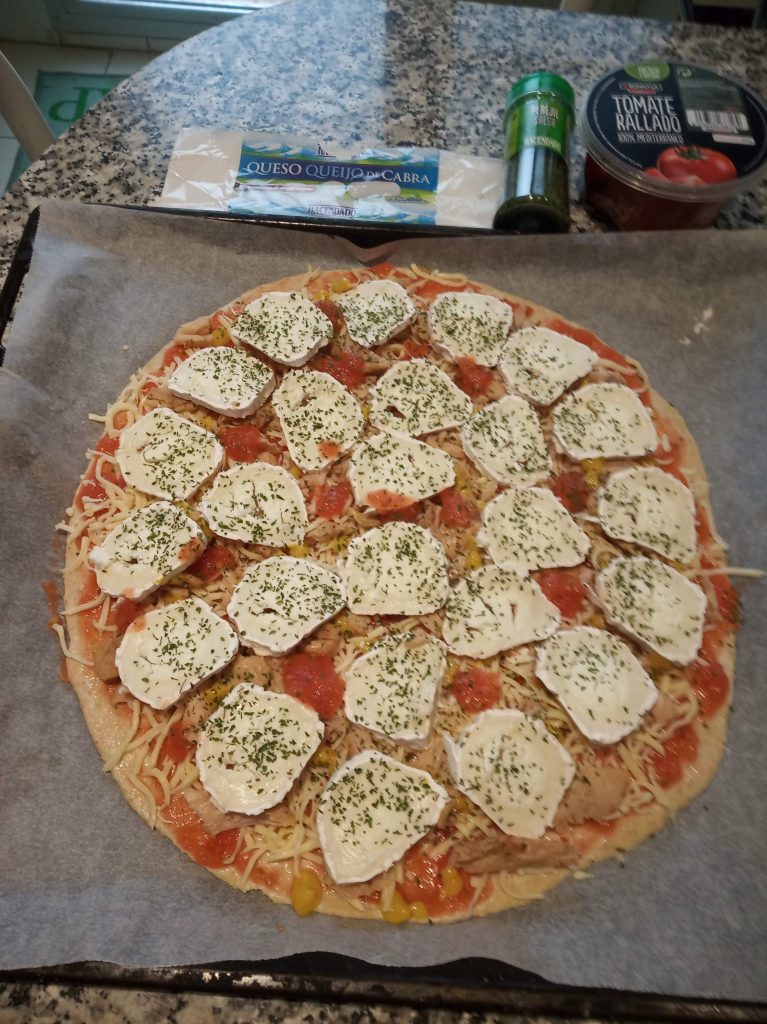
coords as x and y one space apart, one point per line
693 165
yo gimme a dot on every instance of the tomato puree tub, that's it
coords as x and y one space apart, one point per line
667 144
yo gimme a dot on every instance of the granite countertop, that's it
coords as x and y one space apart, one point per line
432 74
394 71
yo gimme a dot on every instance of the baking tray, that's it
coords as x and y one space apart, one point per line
465 984
365 235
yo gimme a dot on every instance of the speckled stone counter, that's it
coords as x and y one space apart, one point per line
392 71
400 73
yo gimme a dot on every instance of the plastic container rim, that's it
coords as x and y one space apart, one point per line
637 179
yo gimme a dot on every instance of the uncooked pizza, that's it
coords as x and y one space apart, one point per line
396 596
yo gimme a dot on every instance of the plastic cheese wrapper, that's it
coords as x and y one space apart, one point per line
257 173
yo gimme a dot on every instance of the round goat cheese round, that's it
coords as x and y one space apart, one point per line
511 766
319 417
281 600
396 569
376 311
603 421
651 508
505 442
145 550
168 456
466 325
169 650
540 365
415 397
493 609
654 604
284 326
257 503
223 379
599 682
390 471
371 812
392 690
528 528
253 748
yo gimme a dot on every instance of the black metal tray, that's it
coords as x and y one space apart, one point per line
471 984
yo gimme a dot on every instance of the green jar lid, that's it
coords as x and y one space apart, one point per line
541 81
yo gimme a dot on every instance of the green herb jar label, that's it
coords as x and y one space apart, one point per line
542 120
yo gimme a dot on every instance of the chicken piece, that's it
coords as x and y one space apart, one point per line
509 853
213 820
325 641
103 652
251 668
665 713
596 793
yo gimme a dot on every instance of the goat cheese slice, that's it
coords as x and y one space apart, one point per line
651 508
168 456
505 442
598 681
603 421
371 812
415 397
468 325
376 311
223 379
257 503
392 690
494 609
166 652
390 471
145 550
396 569
319 417
540 365
527 528
253 748
281 600
284 326
510 765
654 604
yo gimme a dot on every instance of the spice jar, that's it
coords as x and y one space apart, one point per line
538 121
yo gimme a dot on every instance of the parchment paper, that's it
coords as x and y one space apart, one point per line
81 876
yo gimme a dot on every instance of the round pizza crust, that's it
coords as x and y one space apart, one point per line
108 727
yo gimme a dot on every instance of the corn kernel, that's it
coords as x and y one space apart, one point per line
473 557
418 911
325 757
305 893
208 422
597 621
295 471
657 662
214 694
398 912
591 470
342 285
321 296
451 880
339 544
366 411
220 336
298 550
460 804
173 595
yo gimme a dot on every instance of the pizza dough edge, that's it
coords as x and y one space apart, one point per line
106 725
